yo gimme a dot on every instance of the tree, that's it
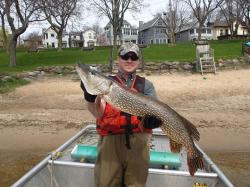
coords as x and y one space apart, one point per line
176 18
3 30
57 14
201 10
21 12
233 14
115 10
245 6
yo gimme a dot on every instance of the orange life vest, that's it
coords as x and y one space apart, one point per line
115 121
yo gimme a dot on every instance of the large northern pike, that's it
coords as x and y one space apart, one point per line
180 131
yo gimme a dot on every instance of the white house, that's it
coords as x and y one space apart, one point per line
89 37
50 39
86 38
221 29
129 33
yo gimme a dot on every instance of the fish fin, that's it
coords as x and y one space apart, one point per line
174 146
195 162
191 128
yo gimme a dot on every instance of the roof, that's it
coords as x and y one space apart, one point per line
124 22
150 23
224 24
219 24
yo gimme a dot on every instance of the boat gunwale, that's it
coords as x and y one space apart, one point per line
90 126
151 170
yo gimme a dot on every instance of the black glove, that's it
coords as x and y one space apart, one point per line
87 96
151 122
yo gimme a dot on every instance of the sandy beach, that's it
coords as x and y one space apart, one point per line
36 118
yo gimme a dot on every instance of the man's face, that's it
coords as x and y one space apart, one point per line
129 62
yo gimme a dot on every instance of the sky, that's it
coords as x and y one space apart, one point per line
89 18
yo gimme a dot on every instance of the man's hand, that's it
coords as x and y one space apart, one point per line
151 122
87 96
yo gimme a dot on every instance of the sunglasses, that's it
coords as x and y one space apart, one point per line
131 56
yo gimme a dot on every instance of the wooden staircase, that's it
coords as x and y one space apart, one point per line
205 59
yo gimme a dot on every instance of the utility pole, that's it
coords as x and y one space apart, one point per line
171 22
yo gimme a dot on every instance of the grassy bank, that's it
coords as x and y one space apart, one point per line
183 52
11 84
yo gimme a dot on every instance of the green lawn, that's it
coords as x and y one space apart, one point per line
184 52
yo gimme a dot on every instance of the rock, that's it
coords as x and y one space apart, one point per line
235 61
6 78
32 74
220 61
27 79
187 67
221 64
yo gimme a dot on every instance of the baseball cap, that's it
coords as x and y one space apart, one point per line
128 47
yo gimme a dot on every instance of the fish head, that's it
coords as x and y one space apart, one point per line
94 82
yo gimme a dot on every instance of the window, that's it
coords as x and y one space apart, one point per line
191 31
133 32
209 31
157 31
157 41
74 37
53 45
52 35
228 32
152 41
163 31
160 23
46 36
126 31
221 32
90 36
203 31
164 41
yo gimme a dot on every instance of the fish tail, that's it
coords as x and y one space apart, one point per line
195 162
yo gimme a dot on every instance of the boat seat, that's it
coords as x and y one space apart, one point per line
157 159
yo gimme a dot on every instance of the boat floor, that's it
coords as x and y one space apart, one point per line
59 169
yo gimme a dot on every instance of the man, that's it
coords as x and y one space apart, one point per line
123 148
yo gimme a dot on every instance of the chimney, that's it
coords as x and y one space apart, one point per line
140 24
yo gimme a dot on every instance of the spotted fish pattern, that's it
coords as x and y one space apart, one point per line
180 131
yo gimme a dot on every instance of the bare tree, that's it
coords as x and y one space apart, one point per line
233 14
57 14
115 10
176 18
245 6
21 12
201 10
2 17
33 40
96 27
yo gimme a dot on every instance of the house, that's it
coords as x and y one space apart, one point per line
129 33
153 31
33 42
222 29
190 32
89 36
76 39
86 38
50 39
